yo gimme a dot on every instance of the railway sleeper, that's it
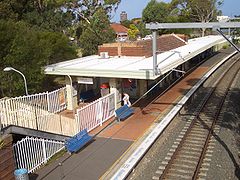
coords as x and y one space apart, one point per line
185 156
174 176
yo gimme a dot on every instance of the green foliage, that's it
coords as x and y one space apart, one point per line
28 50
34 34
133 32
140 25
142 29
85 9
45 14
181 11
126 23
198 10
225 46
96 33
155 12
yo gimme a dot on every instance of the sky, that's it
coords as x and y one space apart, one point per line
134 8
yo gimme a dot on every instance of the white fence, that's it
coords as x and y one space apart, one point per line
96 113
57 100
31 153
37 112
26 111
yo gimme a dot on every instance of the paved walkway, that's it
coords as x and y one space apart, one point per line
114 139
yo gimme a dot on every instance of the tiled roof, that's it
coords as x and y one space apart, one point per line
143 47
118 28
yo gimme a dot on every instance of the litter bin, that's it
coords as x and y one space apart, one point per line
21 174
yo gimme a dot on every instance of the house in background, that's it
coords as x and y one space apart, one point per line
120 31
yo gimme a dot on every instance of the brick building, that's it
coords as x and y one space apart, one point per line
143 47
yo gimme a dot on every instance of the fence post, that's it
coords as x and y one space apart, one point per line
48 102
44 151
77 123
101 112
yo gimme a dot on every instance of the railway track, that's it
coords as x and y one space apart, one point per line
185 158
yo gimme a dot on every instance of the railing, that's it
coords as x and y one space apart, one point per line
31 153
33 112
27 111
96 113
57 100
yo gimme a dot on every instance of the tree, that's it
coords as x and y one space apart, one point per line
33 33
198 10
161 12
126 23
142 29
97 32
133 32
28 50
83 10
155 12
43 14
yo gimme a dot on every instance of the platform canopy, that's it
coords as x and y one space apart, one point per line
133 67
195 25
154 26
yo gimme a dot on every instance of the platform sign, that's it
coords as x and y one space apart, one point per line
82 80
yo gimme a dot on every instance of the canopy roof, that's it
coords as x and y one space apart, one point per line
133 67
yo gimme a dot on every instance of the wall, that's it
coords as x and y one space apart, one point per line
142 47
7 164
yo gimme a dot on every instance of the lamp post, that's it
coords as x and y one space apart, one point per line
12 69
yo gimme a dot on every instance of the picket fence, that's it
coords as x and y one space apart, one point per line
30 153
96 113
28 111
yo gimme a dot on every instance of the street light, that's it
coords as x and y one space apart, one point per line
25 82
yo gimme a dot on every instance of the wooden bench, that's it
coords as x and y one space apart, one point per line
123 112
76 142
87 95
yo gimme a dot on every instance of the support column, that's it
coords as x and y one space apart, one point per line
71 100
142 87
115 86
186 66
154 49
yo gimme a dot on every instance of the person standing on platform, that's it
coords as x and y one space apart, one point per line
126 99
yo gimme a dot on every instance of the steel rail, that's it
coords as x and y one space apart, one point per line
168 166
211 132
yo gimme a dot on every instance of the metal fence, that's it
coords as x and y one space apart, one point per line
96 113
26 111
31 153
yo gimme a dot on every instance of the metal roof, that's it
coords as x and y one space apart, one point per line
133 67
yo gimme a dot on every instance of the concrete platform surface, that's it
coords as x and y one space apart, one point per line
89 163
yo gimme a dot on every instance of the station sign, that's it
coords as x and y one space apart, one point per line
83 80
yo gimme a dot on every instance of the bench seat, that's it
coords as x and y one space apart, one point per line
76 142
87 95
123 112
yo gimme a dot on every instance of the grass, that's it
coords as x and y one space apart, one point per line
225 46
56 156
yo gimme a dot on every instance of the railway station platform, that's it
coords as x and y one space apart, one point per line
114 140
